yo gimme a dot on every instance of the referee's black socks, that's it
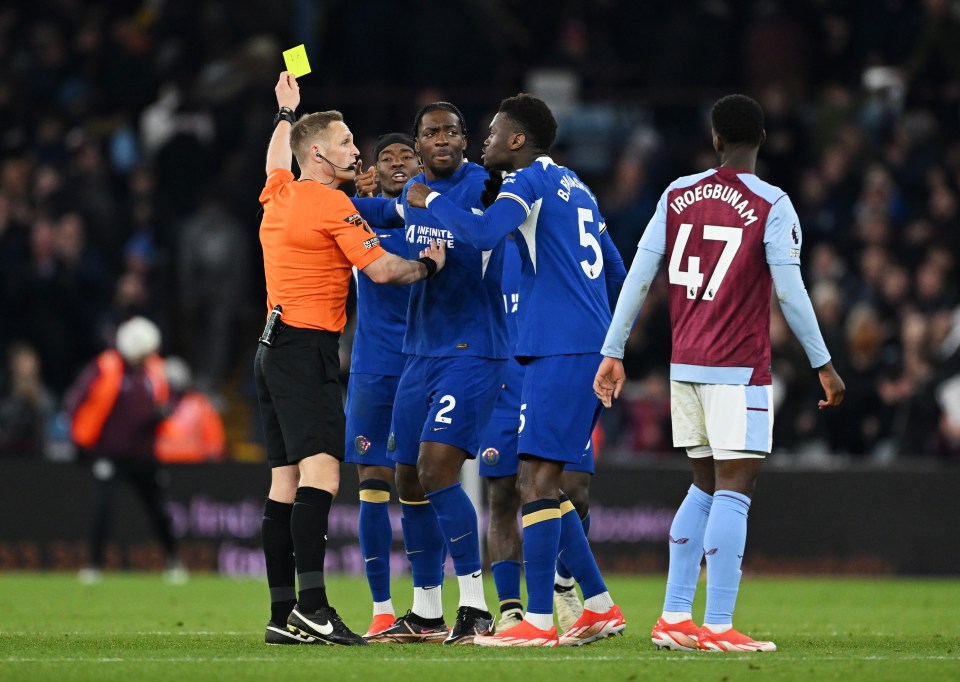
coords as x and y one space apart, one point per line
308 523
278 553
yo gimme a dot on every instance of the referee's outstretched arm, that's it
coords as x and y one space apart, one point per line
391 269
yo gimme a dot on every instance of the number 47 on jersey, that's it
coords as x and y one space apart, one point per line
692 278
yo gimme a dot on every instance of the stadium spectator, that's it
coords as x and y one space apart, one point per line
192 431
211 287
720 389
115 406
26 404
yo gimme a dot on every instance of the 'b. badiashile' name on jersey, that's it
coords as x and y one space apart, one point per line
565 306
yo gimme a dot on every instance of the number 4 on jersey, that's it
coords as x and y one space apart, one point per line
692 278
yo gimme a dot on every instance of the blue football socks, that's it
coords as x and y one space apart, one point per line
561 568
723 543
541 542
506 576
575 552
376 536
458 523
424 543
686 550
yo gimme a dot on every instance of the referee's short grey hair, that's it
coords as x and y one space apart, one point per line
137 338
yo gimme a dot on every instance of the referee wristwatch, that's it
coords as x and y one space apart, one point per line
285 114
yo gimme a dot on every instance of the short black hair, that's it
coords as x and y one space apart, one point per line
385 141
534 117
738 119
445 106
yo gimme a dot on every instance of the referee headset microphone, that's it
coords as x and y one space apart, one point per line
351 167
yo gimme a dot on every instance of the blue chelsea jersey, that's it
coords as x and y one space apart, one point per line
513 375
381 316
459 311
565 307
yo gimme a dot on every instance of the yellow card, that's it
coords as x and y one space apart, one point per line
296 60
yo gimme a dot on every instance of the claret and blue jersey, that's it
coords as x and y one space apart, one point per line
720 230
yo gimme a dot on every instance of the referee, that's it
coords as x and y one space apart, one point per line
312 237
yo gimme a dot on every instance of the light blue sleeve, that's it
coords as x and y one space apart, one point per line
655 236
798 311
782 238
634 293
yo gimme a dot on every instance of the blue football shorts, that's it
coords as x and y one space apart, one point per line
443 400
558 408
369 412
498 444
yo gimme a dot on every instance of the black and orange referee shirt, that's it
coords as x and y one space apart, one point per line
311 237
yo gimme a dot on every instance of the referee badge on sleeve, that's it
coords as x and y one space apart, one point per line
357 220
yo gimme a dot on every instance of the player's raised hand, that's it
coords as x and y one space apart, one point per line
437 251
366 181
417 195
491 188
288 92
609 380
833 386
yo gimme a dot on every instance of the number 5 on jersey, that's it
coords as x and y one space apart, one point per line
692 278
587 240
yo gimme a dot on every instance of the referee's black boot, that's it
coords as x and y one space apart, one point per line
325 626
279 634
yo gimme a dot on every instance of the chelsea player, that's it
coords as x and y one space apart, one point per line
558 228
376 362
457 342
499 462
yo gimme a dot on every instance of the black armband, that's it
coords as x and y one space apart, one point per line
430 264
285 114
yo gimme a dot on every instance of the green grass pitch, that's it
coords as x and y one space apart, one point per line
136 627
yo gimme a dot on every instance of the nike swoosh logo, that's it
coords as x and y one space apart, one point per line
416 551
476 575
325 629
461 537
438 428
430 587
373 557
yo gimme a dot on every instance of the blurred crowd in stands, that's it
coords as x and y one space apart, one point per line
132 137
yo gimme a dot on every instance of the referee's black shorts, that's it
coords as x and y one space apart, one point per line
298 388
